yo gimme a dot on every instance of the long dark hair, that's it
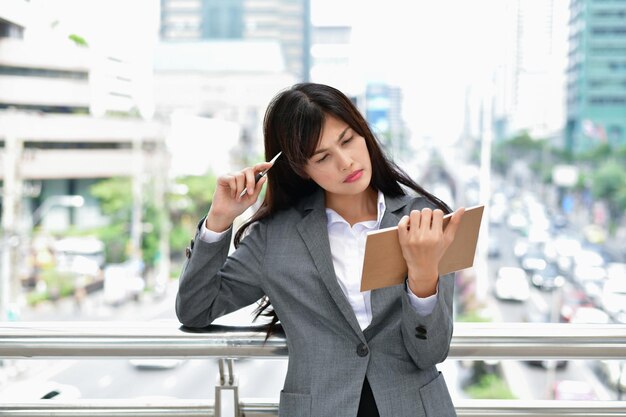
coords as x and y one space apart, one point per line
293 124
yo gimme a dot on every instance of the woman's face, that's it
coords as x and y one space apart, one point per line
341 163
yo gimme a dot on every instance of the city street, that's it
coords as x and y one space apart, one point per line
196 379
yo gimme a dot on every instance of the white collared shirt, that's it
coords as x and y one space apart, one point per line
347 245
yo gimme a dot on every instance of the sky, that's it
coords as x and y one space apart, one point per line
431 49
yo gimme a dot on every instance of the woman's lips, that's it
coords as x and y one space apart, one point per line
354 176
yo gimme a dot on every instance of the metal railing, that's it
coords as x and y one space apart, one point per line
162 339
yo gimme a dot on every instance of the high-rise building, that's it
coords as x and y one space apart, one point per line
285 21
383 111
596 74
529 82
54 95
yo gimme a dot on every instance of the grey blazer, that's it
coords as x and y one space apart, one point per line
287 257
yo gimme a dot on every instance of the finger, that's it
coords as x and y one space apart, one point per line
403 228
437 220
232 183
415 219
228 181
240 178
259 187
455 220
262 167
250 184
427 216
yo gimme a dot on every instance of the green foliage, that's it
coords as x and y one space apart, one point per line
609 180
490 386
524 142
183 211
472 316
115 237
522 146
150 240
200 190
78 40
115 196
187 208
609 183
58 284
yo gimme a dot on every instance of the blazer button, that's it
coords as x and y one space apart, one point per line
420 329
421 336
188 252
362 350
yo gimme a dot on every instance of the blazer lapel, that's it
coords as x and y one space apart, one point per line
314 231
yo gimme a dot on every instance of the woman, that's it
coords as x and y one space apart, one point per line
350 353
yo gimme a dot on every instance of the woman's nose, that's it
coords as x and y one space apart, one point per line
345 161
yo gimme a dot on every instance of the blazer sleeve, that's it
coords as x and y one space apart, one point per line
213 284
427 337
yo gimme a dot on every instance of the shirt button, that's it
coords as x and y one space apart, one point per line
362 350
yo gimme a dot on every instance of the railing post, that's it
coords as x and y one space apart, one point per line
227 392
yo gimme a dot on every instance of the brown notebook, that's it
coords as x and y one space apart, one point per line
384 264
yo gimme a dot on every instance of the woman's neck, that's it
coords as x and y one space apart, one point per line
355 208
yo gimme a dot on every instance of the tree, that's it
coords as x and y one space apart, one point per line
609 184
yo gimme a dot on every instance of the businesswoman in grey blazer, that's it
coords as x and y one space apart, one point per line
351 353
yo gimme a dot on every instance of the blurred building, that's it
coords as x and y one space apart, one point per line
331 54
383 111
215 94
54 95
284 21
529 81
596 75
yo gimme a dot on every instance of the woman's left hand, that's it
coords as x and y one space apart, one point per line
423 242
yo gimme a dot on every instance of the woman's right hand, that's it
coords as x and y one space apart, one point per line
227 205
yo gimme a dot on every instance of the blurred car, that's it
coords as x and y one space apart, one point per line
614 296
155 363
534 261
588 315
548 278
520 249
616 270
517 221
594 233
493 248
573 390
512 284
39 390
588 258
591 280
573 298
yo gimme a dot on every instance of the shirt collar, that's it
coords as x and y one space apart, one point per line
334 217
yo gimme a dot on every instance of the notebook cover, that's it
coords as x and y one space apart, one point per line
384 264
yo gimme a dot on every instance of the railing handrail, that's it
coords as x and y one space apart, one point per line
188 408
168 339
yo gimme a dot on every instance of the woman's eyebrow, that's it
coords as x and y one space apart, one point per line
341 135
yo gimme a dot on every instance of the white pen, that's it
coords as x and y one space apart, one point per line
261 174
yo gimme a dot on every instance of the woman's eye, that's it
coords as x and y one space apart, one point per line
348 140
322 158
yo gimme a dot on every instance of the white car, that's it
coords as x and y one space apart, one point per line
614 295
512 284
